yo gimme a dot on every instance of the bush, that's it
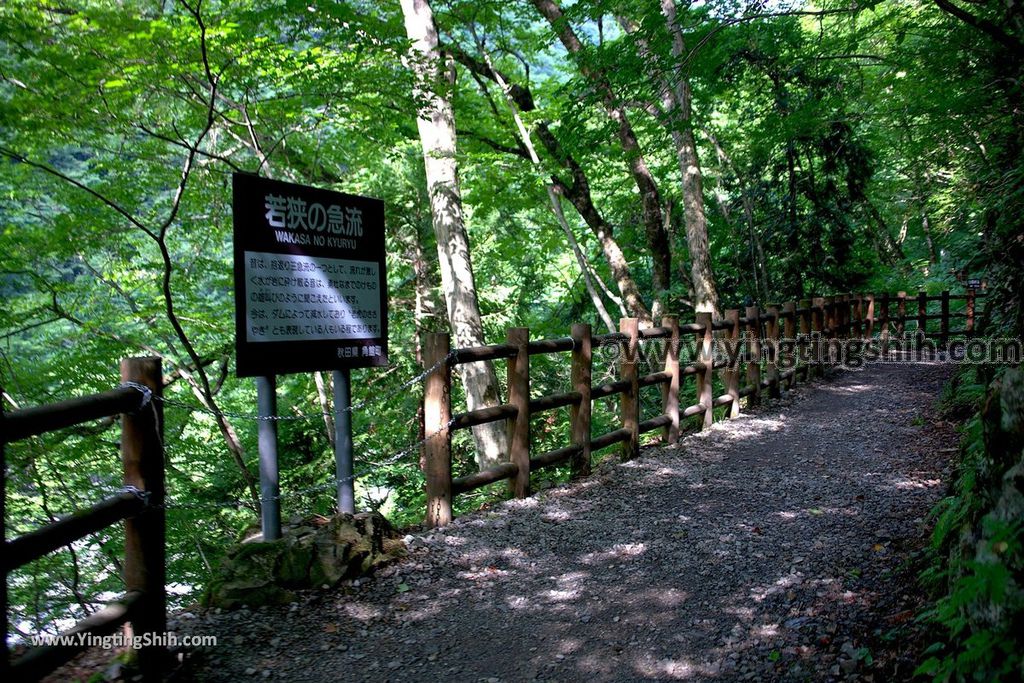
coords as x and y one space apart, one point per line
977 547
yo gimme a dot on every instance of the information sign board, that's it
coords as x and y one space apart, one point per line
310 279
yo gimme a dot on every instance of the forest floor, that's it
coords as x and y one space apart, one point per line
783 545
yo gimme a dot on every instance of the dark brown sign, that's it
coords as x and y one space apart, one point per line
310 278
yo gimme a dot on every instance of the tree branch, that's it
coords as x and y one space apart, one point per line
987 27
11 154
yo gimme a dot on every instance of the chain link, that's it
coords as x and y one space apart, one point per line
147 393
391 460
304 416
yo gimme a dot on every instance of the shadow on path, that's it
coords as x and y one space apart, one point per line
764 548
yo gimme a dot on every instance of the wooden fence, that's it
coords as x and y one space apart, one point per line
140 505
815 322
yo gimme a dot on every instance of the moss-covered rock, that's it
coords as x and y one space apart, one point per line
983 609
312 553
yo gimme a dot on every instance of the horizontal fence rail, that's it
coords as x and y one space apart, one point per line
747 373
139 505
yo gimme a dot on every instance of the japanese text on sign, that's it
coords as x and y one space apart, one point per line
296 214
292 297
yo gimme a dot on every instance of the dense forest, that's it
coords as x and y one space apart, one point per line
542 163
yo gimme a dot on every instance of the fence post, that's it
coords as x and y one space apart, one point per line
437 414
837 328
142 458
630 399
858 317
732 370
789 334
670 391
806 348
849 310
754 352
840 318
705 374
579 414
970 311
922 315
270 482
883 323
833 321
818 325
839 302
772 333
944 323
519 396
901 314
831 325
869 328
827 315
838 315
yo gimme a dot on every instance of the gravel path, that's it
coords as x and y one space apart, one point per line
768 547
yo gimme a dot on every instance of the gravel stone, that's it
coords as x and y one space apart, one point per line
770 547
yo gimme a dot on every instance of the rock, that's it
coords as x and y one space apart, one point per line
114 671
294 567
260 572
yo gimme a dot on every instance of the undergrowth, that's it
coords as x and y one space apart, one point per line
974 576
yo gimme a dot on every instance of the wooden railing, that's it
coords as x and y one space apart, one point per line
140 505
814 322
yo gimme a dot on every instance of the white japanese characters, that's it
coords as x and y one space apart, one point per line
292 213
291 297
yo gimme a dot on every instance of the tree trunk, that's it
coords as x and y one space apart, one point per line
679 120
926 227
581 259
576 190
757 257
889 250
579 196
650 198
553 198
323 393
675 114
436 125
427 305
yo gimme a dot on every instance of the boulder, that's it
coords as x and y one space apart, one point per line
311 553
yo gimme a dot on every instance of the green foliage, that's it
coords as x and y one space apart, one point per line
825 141
970 652
977 563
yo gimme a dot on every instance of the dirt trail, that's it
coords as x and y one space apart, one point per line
766 548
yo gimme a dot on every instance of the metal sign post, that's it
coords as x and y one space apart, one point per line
343 441
270 487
